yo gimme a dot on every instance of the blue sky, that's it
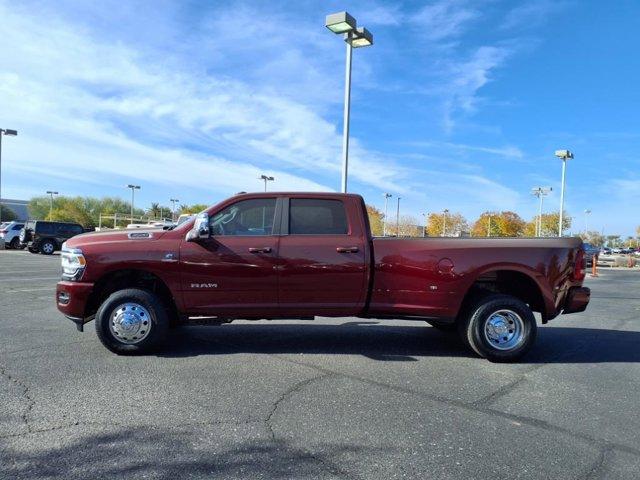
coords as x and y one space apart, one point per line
458 105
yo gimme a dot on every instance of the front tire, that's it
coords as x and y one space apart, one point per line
500 328
14 243
132 321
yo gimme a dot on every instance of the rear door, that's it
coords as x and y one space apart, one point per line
323 257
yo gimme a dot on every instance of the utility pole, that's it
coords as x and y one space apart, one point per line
9 133
387 196
398 218
266 179
444 223
173 208
489 227
564 155
133 189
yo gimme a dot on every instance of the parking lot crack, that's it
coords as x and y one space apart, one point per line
26 394
500 392
598 469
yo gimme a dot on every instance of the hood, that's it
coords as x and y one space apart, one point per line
115 236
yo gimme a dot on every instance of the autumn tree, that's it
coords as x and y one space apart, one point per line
406 227
592 237
455 224
549 224
376 220
498 224
190 209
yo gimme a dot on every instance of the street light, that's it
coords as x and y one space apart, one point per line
342 23
398 218
489 227
444 223
424 227
9 133
540 192
173 208
51 194
586 220
133 189
564 155
387 196
266 179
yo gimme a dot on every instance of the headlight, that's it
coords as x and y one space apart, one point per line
73 263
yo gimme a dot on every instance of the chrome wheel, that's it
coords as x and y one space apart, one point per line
504 330
130 323
48 248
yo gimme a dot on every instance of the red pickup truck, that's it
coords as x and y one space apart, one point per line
300 255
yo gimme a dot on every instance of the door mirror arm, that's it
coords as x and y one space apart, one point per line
200 228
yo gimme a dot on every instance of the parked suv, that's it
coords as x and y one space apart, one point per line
10 232
47 237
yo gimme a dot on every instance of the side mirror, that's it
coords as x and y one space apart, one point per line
200 228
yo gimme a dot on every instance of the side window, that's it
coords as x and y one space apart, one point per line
76 229
17 227
45 228
247 217
311 216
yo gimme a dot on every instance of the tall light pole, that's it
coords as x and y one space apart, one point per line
387 196
586 220
9 133
344 24
489 226
424 227
133 189
444 223
540 192
51 194
173 208
564 155
266 179
398 218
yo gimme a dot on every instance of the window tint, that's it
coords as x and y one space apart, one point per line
76 229
45 228
17 227
311 216
247 217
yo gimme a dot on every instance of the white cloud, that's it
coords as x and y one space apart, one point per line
443 19
531 14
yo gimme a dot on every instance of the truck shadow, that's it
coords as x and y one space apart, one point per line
386 342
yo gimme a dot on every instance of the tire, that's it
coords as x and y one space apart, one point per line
120 322
500 328
34 250
443 327
47 247
14 243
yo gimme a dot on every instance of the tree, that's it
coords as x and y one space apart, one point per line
407 227
456 224
593 237
376 220
502 224
549 224
8 215
195 208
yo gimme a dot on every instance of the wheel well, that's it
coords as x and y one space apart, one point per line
131 278
508 282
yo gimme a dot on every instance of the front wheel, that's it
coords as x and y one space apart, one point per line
500 328
47 247
131 321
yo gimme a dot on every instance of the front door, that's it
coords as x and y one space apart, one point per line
235 271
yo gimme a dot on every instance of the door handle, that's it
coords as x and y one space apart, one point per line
347 249
260 249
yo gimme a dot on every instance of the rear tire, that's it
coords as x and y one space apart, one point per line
500 328
47 247
132 321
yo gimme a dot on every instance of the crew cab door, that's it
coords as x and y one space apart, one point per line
323 257
234 272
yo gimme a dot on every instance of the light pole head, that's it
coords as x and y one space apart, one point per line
387 195
266 178
49 192
8 132
361 38
340 22
564 154
587 211
136 187
174 200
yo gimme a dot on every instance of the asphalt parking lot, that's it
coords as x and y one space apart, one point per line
333 398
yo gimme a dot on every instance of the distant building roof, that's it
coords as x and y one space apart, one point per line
19 207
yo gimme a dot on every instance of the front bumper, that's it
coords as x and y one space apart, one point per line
577 300
72 299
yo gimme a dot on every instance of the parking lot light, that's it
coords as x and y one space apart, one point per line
266 179
586 220
444 222
387 196
173 208
9 133
540 192
564 155
133 189
344 24
51 194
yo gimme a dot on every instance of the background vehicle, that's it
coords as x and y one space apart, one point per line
298 255
10 232
589 252
47 237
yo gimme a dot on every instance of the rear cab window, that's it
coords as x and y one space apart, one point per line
317 216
